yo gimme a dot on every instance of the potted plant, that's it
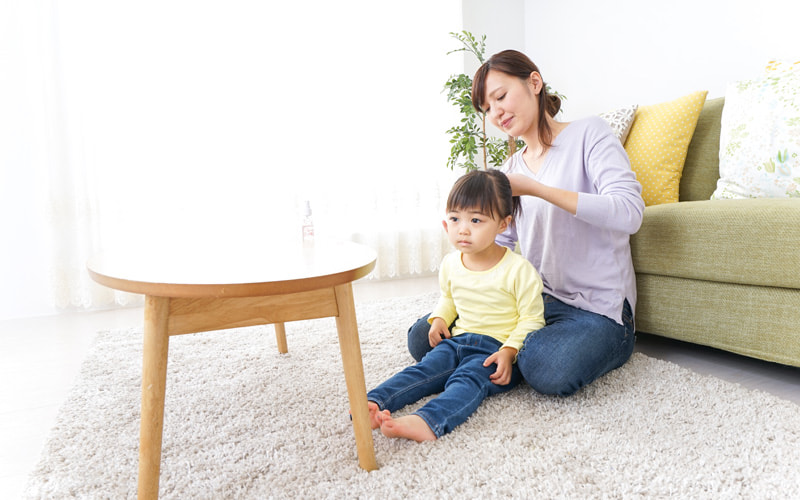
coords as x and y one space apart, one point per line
471 147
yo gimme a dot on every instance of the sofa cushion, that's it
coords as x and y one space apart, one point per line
760 139
657 145
701 168
620 120
750 242
757 321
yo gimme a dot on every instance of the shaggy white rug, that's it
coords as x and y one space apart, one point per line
243 421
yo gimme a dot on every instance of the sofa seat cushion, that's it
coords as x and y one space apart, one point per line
749 242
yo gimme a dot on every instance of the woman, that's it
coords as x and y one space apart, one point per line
580 204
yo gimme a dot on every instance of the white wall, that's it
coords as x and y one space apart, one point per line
481 18
602 54
239 110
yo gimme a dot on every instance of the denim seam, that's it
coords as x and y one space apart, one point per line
439 430
618 349
408 389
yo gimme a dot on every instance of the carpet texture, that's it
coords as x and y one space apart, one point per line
243 421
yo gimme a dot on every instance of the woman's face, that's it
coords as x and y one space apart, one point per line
511 104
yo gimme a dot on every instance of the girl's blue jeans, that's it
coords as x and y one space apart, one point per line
572 350
453 368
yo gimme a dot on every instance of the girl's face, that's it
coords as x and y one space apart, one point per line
511 103
472 232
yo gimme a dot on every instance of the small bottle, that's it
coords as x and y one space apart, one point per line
308 224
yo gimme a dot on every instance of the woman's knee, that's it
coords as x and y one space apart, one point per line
546 376
552 384
564 373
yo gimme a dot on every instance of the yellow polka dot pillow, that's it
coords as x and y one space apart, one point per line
657 145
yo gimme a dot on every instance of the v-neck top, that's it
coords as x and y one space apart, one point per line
585 259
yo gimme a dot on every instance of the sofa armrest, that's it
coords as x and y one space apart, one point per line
751 242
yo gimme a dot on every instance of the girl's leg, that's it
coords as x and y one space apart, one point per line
467 387
417 381
575 348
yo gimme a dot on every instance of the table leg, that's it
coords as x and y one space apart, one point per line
280 337
350 347
154 381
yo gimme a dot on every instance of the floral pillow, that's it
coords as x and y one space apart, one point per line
759 154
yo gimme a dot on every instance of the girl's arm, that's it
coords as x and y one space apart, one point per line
528 288
445 311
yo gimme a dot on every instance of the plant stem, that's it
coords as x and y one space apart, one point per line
483 130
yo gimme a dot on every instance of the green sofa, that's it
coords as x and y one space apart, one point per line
721 273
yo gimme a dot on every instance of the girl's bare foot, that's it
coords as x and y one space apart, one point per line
376 416
408 427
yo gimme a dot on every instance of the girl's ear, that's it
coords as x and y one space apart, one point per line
444 225
504 223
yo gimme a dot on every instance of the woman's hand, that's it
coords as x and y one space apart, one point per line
522 185
505 361
438 331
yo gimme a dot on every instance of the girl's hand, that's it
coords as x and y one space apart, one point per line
438 332
505 361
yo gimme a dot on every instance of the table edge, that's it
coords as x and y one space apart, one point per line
255 289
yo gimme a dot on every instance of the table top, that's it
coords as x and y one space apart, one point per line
242 270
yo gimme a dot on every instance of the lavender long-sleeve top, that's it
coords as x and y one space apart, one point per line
584 259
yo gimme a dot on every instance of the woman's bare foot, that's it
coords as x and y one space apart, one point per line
408 427
376 416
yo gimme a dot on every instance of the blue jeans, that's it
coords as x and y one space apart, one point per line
571 351
453 368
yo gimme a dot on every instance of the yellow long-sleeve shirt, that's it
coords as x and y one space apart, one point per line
504 302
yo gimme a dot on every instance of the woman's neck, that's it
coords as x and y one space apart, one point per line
535 150
534 142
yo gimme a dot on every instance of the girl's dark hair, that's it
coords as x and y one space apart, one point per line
515 63
487 191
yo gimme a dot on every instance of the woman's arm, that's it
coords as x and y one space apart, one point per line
615 201
522 185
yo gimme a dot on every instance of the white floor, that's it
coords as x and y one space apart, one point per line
39 358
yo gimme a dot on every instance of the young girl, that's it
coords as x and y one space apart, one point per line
495 297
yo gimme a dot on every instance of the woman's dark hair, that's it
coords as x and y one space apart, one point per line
515 63
487 191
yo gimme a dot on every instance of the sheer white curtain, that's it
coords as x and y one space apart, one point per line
217 120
